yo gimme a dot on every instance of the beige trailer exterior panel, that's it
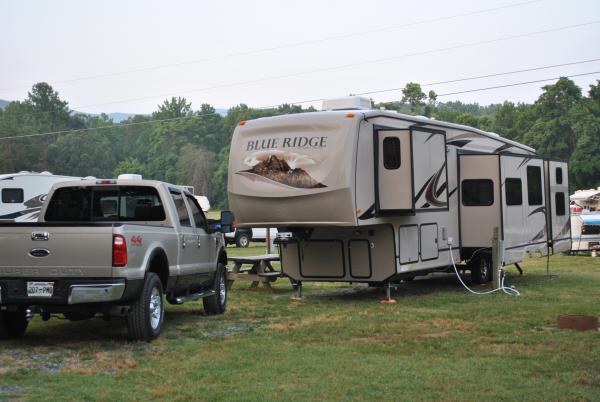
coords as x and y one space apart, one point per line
342 254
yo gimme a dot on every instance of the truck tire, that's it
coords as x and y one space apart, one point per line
242 240
481 269
217 303
13 324
146 314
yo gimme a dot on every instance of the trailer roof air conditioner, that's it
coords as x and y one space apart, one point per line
347 103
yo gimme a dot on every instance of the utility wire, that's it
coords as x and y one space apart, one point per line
458 80
264 107
515 84
284 46
343 66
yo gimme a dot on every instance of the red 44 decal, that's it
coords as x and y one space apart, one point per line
136 240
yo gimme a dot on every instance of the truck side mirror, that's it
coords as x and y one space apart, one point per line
227 219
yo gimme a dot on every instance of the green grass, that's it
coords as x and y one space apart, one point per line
339 343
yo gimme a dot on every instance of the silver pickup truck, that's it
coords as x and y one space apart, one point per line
112 247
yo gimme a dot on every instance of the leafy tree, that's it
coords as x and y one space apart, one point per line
414 96
130 165
173 108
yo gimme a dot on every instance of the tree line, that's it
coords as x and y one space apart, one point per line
181 145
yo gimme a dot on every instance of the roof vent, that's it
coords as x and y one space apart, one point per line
348 103
129 176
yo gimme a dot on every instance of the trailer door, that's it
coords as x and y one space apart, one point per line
393 171
559 224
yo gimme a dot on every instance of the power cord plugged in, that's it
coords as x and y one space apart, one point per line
508 290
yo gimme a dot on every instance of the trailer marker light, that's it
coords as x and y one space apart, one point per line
359 210
350 115
242 123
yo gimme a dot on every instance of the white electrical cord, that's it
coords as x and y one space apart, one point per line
508 290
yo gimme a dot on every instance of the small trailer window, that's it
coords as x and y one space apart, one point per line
477 192
590 229
391 153
559 201
12 195
514 192
558 175
534 185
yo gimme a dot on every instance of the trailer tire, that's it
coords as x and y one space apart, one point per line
13 324
146 314
242 240
481 269
217 303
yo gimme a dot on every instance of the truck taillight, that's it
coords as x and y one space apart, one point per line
119 251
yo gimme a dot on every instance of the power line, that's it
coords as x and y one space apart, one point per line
265 107
344 66
487 76
516 84
285 46
460 79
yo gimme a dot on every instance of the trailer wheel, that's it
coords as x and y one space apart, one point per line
13 324
217 303
146 314
481 269
242 240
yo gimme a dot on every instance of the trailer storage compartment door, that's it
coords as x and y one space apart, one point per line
393 171
559 225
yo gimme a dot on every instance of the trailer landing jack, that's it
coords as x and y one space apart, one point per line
388 295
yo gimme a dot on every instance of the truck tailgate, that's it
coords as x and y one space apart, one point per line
45 251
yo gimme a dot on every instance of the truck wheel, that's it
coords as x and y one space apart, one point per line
242 240
217 303
481 269
146 314
13 324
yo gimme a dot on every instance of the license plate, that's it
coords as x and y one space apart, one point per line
40 289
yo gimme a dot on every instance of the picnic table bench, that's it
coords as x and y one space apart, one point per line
260 271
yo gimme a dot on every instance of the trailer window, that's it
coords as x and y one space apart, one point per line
558 175
12 195
182 212
514 192
391 153
590 229
559 201
477 192
534 185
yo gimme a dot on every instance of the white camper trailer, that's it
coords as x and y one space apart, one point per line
376 196
23 193
586 232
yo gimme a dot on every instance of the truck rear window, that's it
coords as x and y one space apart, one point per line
104 203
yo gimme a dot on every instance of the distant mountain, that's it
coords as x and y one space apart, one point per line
116 117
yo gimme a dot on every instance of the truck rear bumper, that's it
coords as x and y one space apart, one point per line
71 291
96 293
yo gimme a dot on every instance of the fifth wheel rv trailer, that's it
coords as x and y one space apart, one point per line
23 193
377 196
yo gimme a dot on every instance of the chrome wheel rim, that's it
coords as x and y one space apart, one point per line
244 241
222 290
484 268
155 308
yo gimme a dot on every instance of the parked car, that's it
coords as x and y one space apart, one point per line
114 247
243 237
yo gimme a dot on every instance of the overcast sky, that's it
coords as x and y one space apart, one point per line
67 42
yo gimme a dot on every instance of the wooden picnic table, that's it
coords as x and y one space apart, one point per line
260 271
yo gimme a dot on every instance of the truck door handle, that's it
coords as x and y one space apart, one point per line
183 244
199 241
40 236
